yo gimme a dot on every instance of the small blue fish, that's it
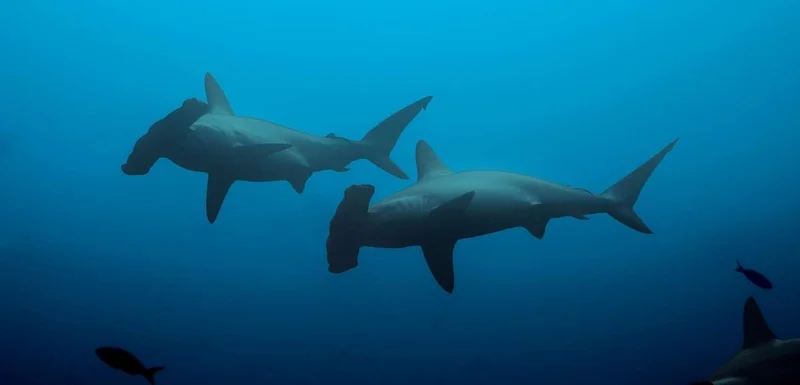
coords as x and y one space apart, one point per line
753 276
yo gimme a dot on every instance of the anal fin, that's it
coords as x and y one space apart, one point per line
216 190
536 227
439 257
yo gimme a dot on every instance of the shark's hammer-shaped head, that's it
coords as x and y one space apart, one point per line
163 133
342 244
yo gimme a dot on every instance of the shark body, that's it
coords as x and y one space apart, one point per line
445 206
763 359
230 148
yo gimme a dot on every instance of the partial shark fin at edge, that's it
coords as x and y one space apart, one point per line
756 330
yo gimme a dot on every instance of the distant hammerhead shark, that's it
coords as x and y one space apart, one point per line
445 206
230 148
763 360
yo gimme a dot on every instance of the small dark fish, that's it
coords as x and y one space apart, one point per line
121 359
753 276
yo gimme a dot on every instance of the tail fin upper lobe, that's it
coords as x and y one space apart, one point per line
383 137
149 373
625 192
342 244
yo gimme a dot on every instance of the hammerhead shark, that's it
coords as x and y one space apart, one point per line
445 206
763 360
229 147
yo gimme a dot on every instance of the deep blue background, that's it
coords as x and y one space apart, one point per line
578 92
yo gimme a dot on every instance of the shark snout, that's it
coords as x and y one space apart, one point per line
127 169
339 267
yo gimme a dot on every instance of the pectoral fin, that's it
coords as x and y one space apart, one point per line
298 181
439 251
537 226
216 190
439 257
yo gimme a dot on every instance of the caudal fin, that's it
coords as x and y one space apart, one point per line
149 373
382 138
625 192
343 232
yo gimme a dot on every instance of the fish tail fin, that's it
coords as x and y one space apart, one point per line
150 373
343 245
626 191
739 267
382 138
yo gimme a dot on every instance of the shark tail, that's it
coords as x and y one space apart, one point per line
150 373
624 193
343 234
382 138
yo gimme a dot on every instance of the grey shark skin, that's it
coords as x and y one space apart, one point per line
763 360
230 148
445 206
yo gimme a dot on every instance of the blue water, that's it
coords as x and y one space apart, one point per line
577 92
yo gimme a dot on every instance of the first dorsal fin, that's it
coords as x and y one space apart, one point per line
428 164
756 330
217 101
